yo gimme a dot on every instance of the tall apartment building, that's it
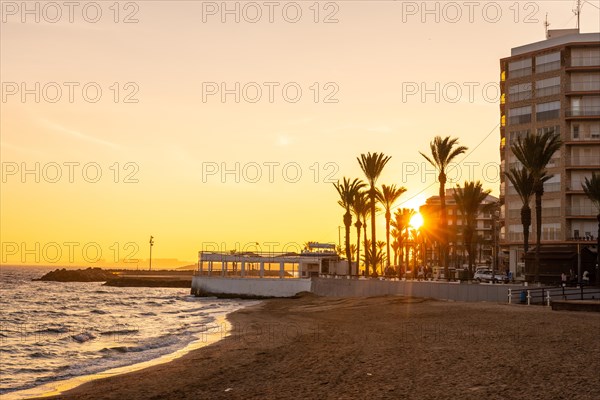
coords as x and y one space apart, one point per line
552 85
484 234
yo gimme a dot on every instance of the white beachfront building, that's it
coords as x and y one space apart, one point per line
266 274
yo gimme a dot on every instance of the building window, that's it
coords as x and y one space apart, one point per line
595 131
585 82
516 135
546 111
584 106
547 87
517 69
551 231
585 57
553 129
519 115
552 184
575 131
547 62
519 92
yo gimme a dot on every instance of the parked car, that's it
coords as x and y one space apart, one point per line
485 275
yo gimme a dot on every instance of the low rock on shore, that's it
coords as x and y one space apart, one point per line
78 275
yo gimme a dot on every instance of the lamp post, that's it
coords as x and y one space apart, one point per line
151 244
495 215
579 264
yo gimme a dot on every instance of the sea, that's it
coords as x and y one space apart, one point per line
54 331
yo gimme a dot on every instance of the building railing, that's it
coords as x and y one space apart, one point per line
583 111
591 160
585 86
585 61
586 137
545 295
582 211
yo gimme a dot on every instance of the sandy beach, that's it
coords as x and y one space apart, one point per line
379 348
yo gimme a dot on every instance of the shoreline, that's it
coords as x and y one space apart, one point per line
222 329
384 347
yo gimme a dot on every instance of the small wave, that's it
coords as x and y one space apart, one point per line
83 337
41 354
118 349
96 311
148 314
34 370
61 329
192 298
120 331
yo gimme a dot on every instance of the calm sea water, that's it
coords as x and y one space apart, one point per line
52 331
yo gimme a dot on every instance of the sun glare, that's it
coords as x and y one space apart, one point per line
416 221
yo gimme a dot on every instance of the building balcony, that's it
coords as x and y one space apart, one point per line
584 64
584 162
594 139
582 211
582 112
580 93
584 88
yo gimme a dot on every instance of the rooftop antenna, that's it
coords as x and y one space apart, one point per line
577 12
546 25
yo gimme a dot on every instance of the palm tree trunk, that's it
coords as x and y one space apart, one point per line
373 239
538 233
358 226
598 252
406 253
444 224
526 222
365 241
388 216
347 223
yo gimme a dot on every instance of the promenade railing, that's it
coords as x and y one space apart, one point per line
546 294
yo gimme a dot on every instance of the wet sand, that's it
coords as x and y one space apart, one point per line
379 348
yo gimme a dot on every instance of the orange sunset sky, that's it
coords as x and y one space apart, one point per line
146 155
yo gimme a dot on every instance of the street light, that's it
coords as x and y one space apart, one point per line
495 216
151 244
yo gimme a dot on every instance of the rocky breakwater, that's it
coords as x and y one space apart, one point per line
78 275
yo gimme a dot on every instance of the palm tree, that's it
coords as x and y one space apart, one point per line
380 246
374 259
348 192
387 196
523 184
372 165
352 251
469 200
401 224
535 152
442 154
395 248
591 187
365 215
360 208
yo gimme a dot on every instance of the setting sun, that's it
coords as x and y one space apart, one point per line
416 221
